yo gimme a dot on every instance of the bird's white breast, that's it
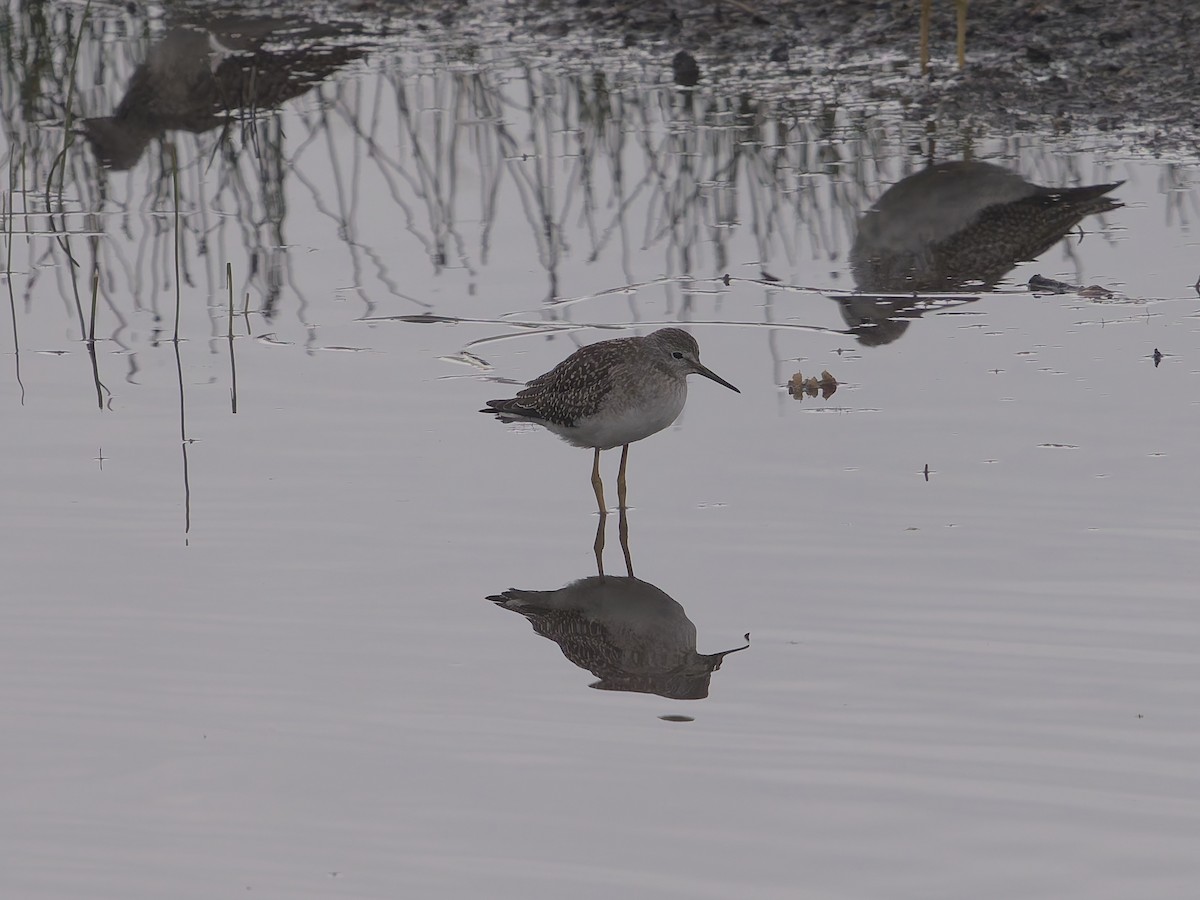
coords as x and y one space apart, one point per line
629 415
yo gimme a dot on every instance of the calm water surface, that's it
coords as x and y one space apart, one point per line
246 643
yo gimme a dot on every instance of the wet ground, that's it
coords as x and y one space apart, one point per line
1120 74
284 615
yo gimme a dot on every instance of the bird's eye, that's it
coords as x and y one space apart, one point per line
677 354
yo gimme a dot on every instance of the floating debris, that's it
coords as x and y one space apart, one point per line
826 385
423 319
1042 285
467 359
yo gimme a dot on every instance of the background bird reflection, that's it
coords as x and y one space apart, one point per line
953 226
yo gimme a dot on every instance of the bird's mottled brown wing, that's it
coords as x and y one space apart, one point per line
572 390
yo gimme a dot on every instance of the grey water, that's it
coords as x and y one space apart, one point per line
257 634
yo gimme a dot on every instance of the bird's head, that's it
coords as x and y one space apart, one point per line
682 353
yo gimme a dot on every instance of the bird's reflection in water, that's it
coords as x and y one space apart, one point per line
625 631
198 73
876 319
623 530
953 226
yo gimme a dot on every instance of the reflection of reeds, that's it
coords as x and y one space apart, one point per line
183 438
91 337
602 169
229 337
67 138
559 142
174 157
183 444
9 218
91 343
1182 198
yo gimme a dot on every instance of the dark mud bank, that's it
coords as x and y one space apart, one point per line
1125 69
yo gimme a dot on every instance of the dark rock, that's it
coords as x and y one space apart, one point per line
1114 36
1037 54
686 69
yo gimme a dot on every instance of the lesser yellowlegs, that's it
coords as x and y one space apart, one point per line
610 394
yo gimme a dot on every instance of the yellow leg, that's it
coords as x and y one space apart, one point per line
926 6
962 32
622 488
598 485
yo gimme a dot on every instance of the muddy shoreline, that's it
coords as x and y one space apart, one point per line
1123 72
1118 75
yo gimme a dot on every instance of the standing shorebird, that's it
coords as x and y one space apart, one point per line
610 394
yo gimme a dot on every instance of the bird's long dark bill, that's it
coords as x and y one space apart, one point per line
708 373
